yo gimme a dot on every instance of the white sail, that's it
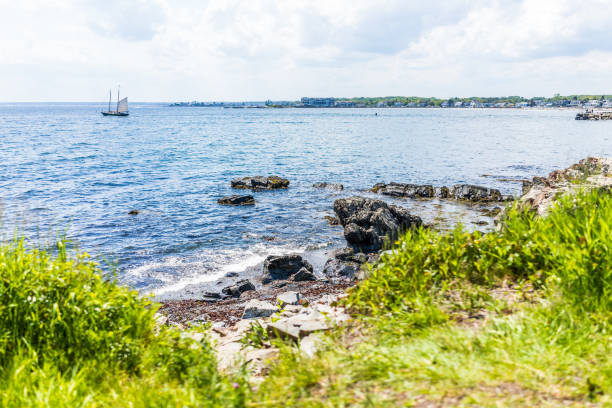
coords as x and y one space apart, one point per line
122 105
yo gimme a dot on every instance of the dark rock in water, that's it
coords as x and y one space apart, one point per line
231 274
404 190
134 212
466 192
470 192
237 200
283 267
239 287
260 183
332 220
369 223
329 186
303 275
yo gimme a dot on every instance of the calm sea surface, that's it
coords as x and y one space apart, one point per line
65 168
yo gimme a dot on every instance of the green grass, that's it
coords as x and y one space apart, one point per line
420 335
70 338
517 317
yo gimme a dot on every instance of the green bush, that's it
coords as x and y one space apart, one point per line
62 309
69 337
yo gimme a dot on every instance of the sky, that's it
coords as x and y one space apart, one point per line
230 50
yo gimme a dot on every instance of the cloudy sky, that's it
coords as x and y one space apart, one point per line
168 50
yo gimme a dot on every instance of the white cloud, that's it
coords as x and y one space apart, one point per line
259 49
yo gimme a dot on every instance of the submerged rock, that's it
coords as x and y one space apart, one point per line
134 212
238 288
283 267
260 183
237 200
368 223
329 186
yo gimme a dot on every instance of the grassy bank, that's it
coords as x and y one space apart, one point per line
518 317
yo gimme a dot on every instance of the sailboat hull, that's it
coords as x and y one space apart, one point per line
115 113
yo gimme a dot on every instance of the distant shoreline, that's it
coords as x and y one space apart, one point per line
571 101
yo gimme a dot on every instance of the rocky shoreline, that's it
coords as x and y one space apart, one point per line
303 300
368 226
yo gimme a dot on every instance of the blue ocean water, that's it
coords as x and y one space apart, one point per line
65 168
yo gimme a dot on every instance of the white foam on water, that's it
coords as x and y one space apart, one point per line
174 274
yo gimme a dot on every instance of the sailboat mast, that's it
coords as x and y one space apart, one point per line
110 95
118 86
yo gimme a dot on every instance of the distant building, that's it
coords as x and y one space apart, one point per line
458 104
593 103
444 104
521 104
344 104
319 102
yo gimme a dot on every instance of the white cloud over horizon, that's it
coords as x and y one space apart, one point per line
163 50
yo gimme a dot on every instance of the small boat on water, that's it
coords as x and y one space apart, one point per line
122 106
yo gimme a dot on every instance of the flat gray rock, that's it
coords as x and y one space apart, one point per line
258 308
289 298
298 326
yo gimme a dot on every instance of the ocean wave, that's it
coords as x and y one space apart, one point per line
173 274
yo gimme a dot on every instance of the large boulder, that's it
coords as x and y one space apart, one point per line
237 200
260 183
369 223
470 192
283 267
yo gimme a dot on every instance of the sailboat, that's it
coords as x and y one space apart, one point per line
122 106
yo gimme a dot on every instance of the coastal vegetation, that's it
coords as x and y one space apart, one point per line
516 317
70 338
